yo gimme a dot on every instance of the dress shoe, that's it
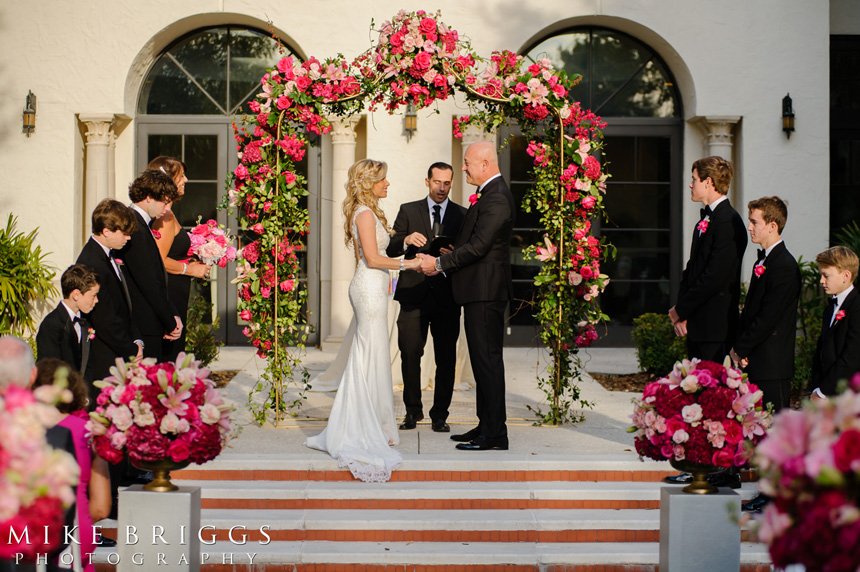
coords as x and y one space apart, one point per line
441 427
484 444
467 436
730 479
755 504
410 421
679 479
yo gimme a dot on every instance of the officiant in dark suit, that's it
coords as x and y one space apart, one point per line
113 223
151 309
428 225
480 269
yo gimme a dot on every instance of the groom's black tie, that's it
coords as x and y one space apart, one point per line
437 220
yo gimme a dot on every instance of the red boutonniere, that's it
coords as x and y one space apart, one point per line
155 234
839 315
473 198
91 334
759 270
118 261
702 227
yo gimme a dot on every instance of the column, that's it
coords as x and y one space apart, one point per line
342 259
718 134
99 161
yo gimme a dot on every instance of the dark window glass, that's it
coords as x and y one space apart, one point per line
844 132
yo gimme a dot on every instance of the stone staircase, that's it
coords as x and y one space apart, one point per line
488 511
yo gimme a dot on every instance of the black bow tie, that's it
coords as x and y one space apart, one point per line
77 320
761 255
832 302
704 212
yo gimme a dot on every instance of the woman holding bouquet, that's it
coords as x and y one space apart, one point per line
361 428
173 243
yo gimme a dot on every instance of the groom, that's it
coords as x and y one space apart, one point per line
480 272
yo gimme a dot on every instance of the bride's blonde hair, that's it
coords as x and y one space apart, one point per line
359 192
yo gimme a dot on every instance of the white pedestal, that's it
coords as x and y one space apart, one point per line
158 531
699 532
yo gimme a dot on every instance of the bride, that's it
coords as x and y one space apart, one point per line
361 428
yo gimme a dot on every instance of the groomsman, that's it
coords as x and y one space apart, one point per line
64 333
480 271
113 224
768 324
427 301
151 310
707 307
837 355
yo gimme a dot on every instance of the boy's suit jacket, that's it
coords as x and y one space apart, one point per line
838 353
57 338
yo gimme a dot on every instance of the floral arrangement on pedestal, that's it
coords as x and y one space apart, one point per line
159 411
810 466
702 412
35 480
419 60
211 243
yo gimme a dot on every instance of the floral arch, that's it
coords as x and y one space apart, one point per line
418 60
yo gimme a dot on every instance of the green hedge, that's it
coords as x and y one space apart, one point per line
657 346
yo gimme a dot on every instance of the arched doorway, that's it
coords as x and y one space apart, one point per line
191 97
631 87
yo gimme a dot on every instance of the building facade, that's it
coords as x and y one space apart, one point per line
118 82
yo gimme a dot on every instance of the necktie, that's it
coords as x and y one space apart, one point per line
437 220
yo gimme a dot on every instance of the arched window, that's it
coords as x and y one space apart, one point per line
193 93
630 86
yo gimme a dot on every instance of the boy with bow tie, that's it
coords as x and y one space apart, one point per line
64 333
837 356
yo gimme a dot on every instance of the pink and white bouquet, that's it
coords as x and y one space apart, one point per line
810 466
212 244
159 411
35 480
702 412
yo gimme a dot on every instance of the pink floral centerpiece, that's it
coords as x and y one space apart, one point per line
703 413
160 411
212 244
35 480
810 466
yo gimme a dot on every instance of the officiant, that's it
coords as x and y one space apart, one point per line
427 226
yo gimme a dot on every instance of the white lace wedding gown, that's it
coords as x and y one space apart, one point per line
361 427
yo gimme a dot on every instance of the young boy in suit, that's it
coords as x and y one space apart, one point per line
112 224
64 333
151 310
837 356
768 326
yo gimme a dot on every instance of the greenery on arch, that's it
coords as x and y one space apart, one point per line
419 60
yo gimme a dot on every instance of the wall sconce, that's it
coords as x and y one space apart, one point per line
410 121
29 119
787 116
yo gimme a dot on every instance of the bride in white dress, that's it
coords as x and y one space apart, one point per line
361 428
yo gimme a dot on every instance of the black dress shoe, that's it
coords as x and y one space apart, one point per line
484 444
729 479
467 436
755 504
679 479
441 427
410 421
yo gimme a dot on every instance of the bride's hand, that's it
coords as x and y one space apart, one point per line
413 264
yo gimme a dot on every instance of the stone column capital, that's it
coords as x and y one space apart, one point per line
473 134
719 129
343 129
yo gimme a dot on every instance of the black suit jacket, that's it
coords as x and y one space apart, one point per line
481 261
412 286
151 310
111 317
837 355
768 325
57 338
711 283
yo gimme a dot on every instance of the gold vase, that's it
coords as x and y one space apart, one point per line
161 474
700 484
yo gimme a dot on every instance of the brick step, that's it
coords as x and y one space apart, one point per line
440 557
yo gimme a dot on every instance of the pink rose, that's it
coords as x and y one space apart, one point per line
759 270
179 451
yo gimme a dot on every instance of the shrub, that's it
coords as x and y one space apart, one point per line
25 279
201 333
657 346
810 312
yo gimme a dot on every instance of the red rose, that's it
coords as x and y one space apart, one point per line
723 457
427 25
846 451
716 369
179 450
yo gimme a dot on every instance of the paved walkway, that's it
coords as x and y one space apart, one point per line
604 430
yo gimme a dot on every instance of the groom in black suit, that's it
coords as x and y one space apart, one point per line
768 325
113 224
427 301
151 310
707 307
480 271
